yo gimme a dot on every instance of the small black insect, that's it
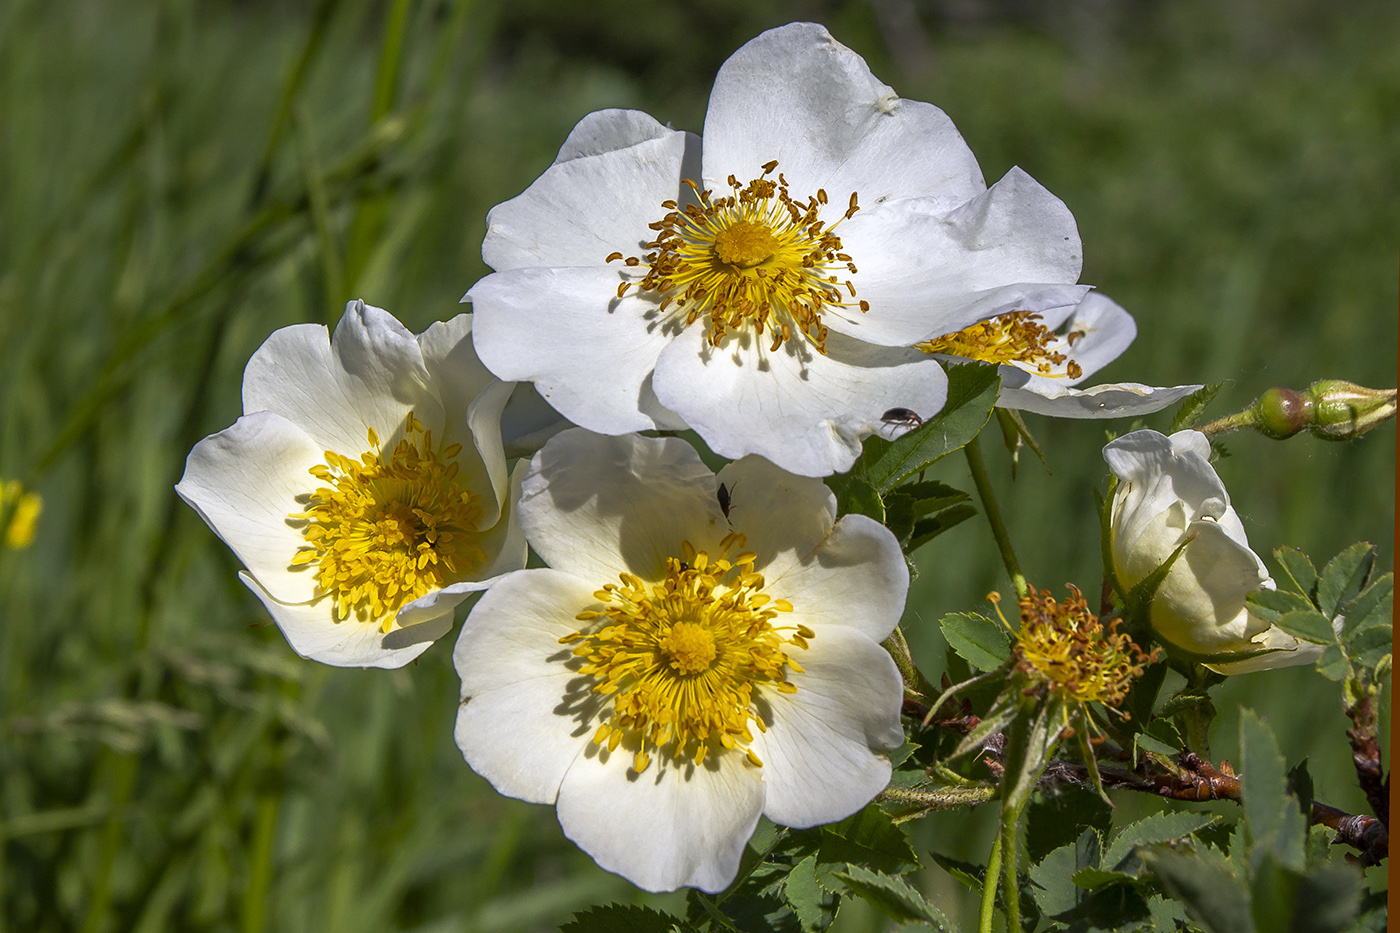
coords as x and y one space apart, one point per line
722 494
901 417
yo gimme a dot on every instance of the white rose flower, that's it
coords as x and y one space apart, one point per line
1045 355
767 288
1168 493
701 650
364 488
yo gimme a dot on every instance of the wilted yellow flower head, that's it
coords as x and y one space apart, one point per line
23 509
1067 648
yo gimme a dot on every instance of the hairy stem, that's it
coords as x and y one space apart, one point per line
989 888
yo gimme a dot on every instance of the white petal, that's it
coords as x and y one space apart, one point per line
370 375
1110 400
796 95
526 714
667 827
1106 330
856 578
485 452
595 506
1288 652
1200 606
823 753
453 365
598 197
244 482
806 412
313 633
589 353
779 513
928 271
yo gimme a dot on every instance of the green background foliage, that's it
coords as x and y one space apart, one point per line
178 180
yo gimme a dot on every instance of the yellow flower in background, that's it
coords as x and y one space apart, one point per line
22 509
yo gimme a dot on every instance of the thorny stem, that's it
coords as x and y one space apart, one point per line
1197 779
973 452
989 888
1366 756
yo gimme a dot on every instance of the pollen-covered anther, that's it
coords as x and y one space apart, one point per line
1066 648
1016 338
385 530
682 659
753 258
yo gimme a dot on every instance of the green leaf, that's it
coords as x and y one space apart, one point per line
1030 740
1309 626
899 516
1300 786
1143 741
1373 914
926 529
1274 823
1210 891
1053 888
1054 821
1272 895
1092 879
969 875
1375 605
1159 827
1327 901
868 838
894 898
815 908
1270 604
856 496
1001 715
972 391
1343 578
1368 646
624 918
983 642
932 496
1194 407
1297 569
1331 664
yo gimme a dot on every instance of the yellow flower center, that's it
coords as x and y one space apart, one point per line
1016 338
1067 648
682 658
385 531
754 258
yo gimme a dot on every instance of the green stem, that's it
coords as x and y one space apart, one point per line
973 452
1010 818
989 888
1240 419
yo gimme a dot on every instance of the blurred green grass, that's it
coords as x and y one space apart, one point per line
178 180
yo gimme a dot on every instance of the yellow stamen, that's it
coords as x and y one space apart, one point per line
1017 338
756 257
385 531
1068 649
684 659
